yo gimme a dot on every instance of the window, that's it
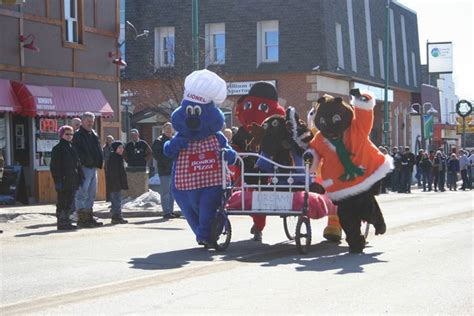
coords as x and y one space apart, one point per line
267 42
72 20
340 48
164 47
215 43
413 66
405 53
122 28
381 60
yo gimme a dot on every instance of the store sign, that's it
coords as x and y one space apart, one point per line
469 128
48 125
440 57
243 87
45 103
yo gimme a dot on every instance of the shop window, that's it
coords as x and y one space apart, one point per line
46 137
215 43
73 21
267 42
164 47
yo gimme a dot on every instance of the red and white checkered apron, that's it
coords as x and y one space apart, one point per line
199 165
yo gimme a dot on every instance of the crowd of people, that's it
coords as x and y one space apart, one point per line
78 155
76 159
432 170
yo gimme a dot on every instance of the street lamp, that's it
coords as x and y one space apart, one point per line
421 111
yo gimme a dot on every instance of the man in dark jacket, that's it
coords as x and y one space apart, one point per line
165 166
407 162
107 150
86 142
67 175
137 151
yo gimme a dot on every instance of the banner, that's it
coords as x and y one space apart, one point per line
428 122
440 57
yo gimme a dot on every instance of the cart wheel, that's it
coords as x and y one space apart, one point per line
303 235
221 231
289 224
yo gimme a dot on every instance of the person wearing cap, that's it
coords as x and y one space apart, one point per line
137 151
67 176
117 179
196 149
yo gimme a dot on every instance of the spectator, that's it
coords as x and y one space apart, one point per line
453 169
471 166
67 175
407 162
87 145
137 151
228 134
419 172
385 182
396 172
76 123
117 179
165 166
464 168
107 150
427 172
439 171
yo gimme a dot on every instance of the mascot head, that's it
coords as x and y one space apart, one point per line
198 116
260 103
333 116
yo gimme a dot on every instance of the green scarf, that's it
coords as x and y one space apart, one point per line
351 171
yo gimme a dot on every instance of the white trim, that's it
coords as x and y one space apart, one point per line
262 28
327 183
340 46
381 59
212 29
394 47
368 31
369 105
366 184
160 34
405 52
350 22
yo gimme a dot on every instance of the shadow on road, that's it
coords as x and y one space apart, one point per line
324 256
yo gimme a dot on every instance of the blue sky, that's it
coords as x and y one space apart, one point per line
449 21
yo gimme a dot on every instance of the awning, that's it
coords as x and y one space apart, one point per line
60 101
8 99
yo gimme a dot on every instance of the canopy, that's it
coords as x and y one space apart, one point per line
60 101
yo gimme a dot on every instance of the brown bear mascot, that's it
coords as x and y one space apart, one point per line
351 165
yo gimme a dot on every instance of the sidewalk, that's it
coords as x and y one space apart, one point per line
101 210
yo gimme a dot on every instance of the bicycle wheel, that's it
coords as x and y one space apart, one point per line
289 224
221 231
303 235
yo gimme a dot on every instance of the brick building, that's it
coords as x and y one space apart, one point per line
306 48
55 63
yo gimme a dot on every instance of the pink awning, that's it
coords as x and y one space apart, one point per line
60 101
8 99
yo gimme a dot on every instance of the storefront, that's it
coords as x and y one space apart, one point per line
33 130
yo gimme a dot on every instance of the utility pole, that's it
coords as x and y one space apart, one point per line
387 54
195 30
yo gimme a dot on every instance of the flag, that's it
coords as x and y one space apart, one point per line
428 131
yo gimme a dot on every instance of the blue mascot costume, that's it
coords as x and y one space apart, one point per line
197 169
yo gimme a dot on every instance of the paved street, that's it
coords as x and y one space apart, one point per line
422 265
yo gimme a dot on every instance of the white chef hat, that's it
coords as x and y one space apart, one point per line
204 86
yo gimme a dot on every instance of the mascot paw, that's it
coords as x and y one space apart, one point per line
316 188
177 144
